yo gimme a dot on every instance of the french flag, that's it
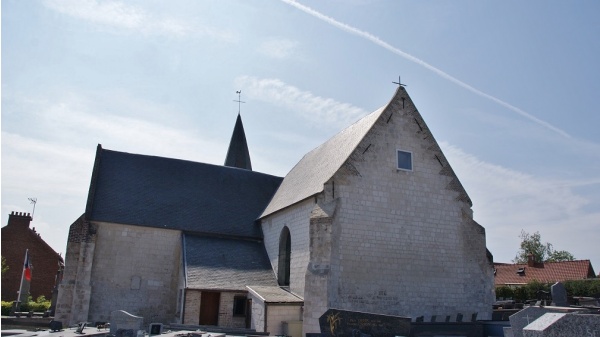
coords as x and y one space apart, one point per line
27 267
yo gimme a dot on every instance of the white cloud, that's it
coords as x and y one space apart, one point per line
55 166
505 201
121 16
311 107
278 48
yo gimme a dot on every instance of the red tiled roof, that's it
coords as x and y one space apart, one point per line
548 272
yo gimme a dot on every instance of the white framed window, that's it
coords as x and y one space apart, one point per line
404 160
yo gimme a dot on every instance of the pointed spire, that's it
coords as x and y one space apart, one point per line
238 154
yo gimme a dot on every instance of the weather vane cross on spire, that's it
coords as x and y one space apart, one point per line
399 83
239 100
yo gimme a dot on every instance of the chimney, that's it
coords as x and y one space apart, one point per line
19 219
530 260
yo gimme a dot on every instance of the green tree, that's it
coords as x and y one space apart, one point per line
560 255
542 252
4 266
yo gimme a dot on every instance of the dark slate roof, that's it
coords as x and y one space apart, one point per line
238 154
177 194
226 264
319 165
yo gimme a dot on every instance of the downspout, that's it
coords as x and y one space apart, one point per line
266 307
184 293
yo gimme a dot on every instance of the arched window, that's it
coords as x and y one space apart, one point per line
285 252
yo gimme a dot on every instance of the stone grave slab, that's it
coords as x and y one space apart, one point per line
564 325
526 316
122 320
342 323
521 319
559 295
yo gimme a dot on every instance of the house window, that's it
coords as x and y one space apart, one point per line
239 306
404 160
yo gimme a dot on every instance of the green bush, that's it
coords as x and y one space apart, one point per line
588 288
6 308
504 292
39 305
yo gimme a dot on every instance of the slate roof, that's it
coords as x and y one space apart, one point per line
177 194
547 272
319 165
274 294
226 264
238 154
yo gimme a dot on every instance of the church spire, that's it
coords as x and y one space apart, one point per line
238 154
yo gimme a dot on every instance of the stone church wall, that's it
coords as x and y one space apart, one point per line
404 242
135 269
74 291
296 218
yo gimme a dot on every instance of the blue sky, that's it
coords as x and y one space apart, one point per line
508 89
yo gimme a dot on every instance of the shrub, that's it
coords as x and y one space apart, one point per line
504 292
6 306
39 305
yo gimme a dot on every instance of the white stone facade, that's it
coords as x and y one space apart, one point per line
297 221
118 281
385 240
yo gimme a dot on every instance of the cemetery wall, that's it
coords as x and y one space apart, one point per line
296 218
404 241
146 289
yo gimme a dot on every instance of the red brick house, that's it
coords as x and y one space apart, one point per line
514 275
17 237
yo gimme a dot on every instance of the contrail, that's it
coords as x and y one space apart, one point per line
422 63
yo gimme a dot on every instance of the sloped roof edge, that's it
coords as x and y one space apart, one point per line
316 167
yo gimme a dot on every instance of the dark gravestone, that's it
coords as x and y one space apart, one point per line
342 323
125 333
559 295
55 326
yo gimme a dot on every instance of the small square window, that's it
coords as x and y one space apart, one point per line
404 160
239 306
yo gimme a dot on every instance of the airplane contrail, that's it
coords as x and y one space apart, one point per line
422 63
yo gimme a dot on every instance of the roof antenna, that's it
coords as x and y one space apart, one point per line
239 101
399 83
32 201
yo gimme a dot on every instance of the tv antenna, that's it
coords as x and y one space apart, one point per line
239 100
32 201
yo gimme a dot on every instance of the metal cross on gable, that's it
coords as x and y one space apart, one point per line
399 82
239 100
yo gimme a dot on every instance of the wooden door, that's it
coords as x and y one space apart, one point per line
209 308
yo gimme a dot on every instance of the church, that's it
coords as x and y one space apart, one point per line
373 220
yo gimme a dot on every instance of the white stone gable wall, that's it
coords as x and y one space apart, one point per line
405 242
136 269
296 218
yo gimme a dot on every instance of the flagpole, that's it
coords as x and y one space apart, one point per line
18 308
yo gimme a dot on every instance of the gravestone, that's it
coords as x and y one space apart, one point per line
342 323
122 320
559 295
526 316
55 326
563 324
